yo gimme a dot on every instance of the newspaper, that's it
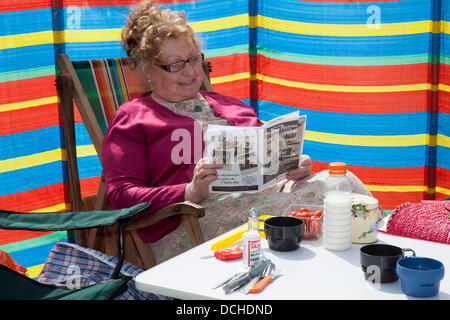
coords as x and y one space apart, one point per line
255 158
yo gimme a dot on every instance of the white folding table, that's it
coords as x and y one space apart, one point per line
310 272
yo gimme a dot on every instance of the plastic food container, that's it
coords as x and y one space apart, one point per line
312 226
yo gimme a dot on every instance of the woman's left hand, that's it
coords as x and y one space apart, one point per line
302 171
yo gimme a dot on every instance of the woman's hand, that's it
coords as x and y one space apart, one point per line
204 174
302 171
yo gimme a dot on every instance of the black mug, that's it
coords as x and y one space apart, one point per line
283 233
379 261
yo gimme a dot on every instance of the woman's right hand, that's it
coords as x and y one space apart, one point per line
204 174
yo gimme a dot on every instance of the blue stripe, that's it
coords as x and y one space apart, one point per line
445 40
224 38
346 13
443 124
443 157
111 49
28 57
74 18
33 256
89 167
25 21
367 156
26 179
209 9
374 46
82 135
352 123
33 177
30 142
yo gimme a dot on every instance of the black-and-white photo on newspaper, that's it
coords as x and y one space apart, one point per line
254 158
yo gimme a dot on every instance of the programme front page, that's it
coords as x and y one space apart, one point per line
255 157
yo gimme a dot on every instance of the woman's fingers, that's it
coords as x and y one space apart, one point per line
302 171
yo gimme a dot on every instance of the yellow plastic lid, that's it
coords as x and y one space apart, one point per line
337 168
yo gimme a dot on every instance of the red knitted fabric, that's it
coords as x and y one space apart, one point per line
427 220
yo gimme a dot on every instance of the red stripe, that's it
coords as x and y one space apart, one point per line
351 102
344 75
444 74
89 186
26 119
104 93
391 200
35 199
227 65
443 178
11 236
27 89
444 102
15 5
111 3
384 176
239 89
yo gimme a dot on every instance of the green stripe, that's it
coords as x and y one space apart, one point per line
27 74
116 85
35 242
86 76
445 59
343 61
213 53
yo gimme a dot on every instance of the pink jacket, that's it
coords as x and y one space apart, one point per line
137 153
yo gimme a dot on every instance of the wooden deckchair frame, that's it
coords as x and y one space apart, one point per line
137 251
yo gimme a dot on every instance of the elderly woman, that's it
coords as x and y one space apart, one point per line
137 147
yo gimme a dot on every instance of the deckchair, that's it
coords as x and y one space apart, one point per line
98 88
16 286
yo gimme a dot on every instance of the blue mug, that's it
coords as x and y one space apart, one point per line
419 276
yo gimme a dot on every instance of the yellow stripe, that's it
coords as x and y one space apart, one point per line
443 141
444 87
337 88
87 150
88 35
43 158
95 35
32 160
445 26
28 104
229 78
26 39
33 272
443 190
220 23
397 188
123 85
350 30
55 208
408 189
370 141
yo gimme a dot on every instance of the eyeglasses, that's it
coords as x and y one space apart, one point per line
178 66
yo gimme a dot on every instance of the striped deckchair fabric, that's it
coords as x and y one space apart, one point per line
108 83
